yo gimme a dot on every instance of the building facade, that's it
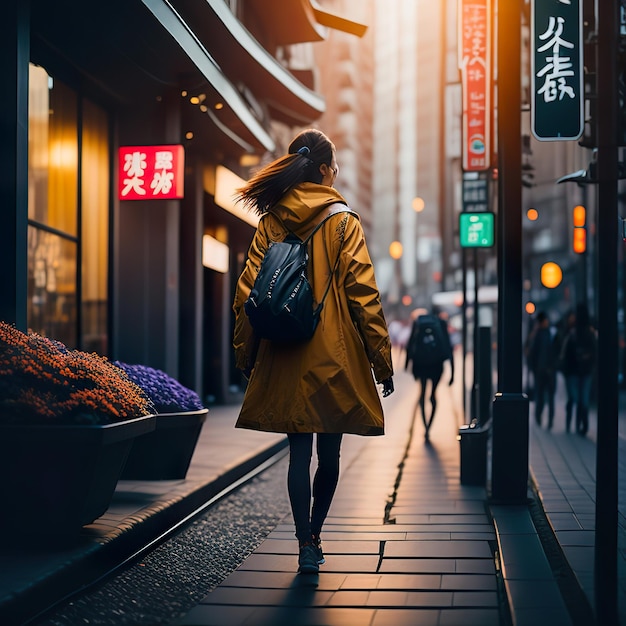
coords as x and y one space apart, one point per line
149 280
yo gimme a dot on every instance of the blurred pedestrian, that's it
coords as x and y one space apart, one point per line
578 358
399 331
542 360
324 386
564 327
428 349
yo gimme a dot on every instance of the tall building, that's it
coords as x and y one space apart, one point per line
384 109
345 70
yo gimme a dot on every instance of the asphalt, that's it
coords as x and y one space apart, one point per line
405 541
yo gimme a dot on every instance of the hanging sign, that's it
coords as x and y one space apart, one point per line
151 172
475 194
475 64
476 230
557 93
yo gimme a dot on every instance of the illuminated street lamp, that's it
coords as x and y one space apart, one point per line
551 275
418 204
395 250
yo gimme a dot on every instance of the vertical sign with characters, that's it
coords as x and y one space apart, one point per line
151 172
475 64
557 98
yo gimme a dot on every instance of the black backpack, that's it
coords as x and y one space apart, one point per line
428 345
281 304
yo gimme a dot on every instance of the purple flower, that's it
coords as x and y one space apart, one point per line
167 394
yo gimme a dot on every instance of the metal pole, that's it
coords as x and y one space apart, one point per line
605 567
509 482
464 316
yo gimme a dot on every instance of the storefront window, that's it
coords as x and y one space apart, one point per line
94 227
52 285
68 217
52 153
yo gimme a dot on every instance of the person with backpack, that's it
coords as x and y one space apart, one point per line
543 359
429 347
324 385
578 361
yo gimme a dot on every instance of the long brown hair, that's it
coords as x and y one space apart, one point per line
308 150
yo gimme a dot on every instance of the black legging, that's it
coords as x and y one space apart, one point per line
309 522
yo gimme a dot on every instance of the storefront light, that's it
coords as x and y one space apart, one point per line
214 254
226 185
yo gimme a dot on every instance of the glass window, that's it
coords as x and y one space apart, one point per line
52 286
52 153
94 227
65 264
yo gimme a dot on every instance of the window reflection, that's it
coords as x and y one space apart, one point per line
94 228
52 285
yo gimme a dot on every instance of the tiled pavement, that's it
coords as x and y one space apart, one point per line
422 554
563 468
443 557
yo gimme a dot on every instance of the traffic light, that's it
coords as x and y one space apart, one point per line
579 241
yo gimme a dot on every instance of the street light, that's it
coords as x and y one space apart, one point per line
418 204
551 275
395 250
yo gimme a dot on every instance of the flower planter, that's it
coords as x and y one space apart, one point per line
165 453
60 477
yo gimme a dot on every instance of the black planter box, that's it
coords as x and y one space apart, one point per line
59 478
165 453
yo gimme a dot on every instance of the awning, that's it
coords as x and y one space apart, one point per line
135 52
245 61
299 21
325 18
178 29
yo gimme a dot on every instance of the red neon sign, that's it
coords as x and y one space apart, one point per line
475 52
151 172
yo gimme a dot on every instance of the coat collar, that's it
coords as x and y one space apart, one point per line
300 207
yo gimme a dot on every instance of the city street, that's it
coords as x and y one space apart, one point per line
154 152
169 581
399 474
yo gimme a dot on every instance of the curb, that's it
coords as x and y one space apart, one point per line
532 592
122 544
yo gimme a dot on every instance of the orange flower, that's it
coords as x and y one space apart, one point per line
41 380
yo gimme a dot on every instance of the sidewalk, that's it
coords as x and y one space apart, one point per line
563 470
433 563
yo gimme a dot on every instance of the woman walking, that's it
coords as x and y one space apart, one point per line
324 386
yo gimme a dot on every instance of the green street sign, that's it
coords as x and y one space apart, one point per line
476 229
557 92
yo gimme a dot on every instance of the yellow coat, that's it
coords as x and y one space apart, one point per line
324 385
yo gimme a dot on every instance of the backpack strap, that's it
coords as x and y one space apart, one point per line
333 210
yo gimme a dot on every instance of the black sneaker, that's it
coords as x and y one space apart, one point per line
317 545
307 560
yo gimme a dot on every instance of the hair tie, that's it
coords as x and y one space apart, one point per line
304 151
